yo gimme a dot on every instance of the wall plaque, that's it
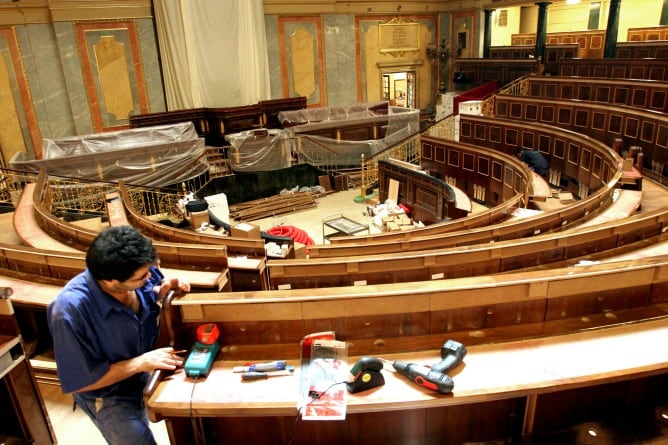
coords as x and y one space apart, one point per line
397 36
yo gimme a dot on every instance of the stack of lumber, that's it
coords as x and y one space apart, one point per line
273 205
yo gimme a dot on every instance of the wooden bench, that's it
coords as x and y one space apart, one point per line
536 374
27 227
388 321
246 272
508 229
586 118
157 231
615 68
644 94
204 257
474 309
502 256
625 203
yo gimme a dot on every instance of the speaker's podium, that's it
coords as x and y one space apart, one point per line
22 408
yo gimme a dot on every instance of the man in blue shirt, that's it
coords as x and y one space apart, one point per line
534 160
104 325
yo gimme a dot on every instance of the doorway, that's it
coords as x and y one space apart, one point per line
399 88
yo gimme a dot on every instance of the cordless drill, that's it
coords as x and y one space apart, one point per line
423 376
452 354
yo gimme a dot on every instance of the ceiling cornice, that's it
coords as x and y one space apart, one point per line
45 11
360 7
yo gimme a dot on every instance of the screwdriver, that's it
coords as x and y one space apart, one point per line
423 376
257 375
277 365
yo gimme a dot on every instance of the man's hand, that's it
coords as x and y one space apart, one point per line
179 285
163 358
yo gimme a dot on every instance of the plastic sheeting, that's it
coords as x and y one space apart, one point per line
259 150
152 156
265 150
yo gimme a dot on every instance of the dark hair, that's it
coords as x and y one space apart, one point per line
518 150
117 253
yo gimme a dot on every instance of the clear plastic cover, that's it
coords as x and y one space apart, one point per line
152 156
259 150
264 150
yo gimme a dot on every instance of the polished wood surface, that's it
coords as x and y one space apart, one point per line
28 228
520 367
522 370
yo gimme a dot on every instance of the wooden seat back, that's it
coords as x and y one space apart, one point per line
479 259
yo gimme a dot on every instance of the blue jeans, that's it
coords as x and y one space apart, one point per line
121 420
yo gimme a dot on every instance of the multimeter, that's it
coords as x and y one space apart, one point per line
203 353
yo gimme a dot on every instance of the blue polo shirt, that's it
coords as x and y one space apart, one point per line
91 330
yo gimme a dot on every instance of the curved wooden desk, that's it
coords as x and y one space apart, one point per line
525 380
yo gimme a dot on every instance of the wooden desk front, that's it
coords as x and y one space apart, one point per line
497 382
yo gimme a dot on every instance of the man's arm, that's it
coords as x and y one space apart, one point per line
163 358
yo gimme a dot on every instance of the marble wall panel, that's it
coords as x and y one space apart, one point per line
46 78
73 80
341 66
19 132
113 72
151 64
300 41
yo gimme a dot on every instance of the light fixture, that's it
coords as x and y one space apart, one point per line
440 53
572 2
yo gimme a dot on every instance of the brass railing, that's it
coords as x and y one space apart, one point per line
408 151
443 129
519 87
11 185
154 202
72 195
488 106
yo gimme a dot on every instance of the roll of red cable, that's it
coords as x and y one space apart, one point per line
295 233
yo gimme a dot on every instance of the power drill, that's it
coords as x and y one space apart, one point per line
423 376
452 354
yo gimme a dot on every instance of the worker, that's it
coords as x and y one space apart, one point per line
104 324
534 160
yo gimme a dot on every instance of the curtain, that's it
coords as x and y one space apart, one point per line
214 52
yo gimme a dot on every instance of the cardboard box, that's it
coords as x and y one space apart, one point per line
197 218
404 220
245 230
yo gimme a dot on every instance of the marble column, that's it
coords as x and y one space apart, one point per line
488 33
541 29
611 30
